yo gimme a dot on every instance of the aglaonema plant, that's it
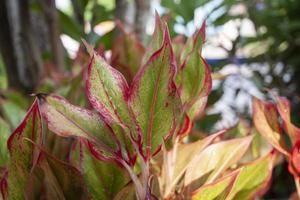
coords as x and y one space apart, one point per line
132 144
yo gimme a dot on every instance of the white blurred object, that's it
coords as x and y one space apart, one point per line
70 45
104 27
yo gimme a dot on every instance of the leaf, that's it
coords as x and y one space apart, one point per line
67 120
241 129
196 108
178 44
259 145
127 54
4 134
23 155
62 181
156 41
294 162
154 100
216 158
108 91
194 79
253 179
3 186
127 193
194 44
208 122
265 119
12 112
284 109
69 26
177 160
104 179
216 190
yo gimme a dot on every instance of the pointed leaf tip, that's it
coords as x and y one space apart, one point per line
89 48
107 91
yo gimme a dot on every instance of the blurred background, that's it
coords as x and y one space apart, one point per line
252 46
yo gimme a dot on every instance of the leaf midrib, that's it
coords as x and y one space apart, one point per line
152 108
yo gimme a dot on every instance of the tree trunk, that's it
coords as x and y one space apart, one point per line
125 12
134 15
19 51
143 12
51 17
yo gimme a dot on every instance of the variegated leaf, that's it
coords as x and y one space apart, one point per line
68 120
23 154
265 119
154 99
177 160
253 179
215 159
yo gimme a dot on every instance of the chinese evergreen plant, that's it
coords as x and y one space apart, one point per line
134 142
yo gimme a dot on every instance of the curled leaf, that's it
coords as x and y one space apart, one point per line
265 119
194 78
284 109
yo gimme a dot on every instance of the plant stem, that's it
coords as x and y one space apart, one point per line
141 194
146 175
142 188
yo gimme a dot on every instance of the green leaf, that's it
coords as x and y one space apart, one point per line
216 158
68 120
62 181
216 190
253 178
195 108
23 155
177 160
69 26
208 122
194 79
127 193
4 134
107 91
241 129
259 145
104 179
265 119
12 112
156 41
178 44
154 99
